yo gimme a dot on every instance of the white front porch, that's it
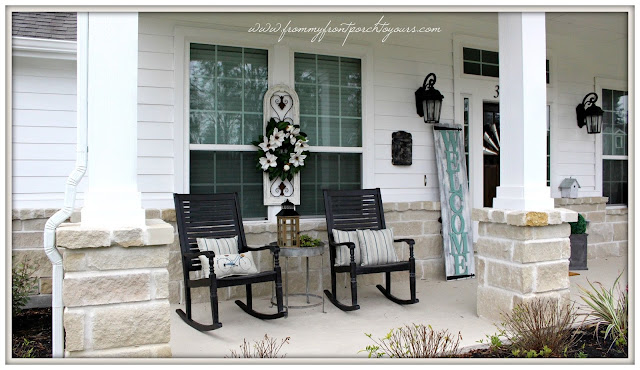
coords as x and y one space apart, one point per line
336 334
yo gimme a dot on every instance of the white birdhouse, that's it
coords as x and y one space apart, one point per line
569 188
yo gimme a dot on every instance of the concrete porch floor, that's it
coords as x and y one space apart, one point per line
336 334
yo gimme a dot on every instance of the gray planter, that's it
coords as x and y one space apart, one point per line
578 259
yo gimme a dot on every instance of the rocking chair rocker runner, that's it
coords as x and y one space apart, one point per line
350 210
218 216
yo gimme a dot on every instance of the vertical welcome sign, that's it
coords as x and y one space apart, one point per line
454 202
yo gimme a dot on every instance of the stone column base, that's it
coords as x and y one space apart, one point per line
521 256
116 290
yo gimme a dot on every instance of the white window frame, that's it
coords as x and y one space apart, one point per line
601 83
281 71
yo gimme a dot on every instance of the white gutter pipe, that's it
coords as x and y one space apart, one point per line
70 191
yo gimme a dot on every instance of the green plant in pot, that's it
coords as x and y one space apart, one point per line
307 241
578 239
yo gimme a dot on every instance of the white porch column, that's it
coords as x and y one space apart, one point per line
112 199
523 100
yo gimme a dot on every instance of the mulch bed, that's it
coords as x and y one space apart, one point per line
34 326
588 345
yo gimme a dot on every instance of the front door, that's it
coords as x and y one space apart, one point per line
491 151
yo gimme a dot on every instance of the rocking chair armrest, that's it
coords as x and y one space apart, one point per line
208 254
352 249
262 248
351 245
411 242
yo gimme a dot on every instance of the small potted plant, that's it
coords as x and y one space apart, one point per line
307 241
578 239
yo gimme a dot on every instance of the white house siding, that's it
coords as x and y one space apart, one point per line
156 100
43 131
43 158
577 63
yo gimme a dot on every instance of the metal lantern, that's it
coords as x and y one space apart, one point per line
288 226
591 115
429 100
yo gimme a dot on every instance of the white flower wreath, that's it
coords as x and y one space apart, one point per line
282 150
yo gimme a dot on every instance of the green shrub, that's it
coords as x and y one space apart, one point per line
609 311
579 227
542 326
414 341
23 283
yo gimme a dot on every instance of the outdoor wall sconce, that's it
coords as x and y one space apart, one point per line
429 100
591 115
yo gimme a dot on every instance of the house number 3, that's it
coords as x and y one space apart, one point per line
497 91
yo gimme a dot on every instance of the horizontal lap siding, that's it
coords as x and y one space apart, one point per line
574 150
156 113
43 111
399 69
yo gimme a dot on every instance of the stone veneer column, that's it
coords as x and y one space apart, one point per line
116 290
522 255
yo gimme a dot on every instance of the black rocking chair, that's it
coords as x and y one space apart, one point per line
350 210
218 216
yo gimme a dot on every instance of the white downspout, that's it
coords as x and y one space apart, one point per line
70 191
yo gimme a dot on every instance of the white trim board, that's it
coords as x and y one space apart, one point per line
43 48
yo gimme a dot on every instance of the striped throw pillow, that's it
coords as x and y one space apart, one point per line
219 246
377 247
343 256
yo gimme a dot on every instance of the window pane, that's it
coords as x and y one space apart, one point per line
472 68
229 128
350 72
489 70
307 96
305 68
351 132
615 181
328 70
607 98
331 115
329 131
227 172
489 57
329 100
227 86
254 95
350 102
252 128
202 127
471 54
327 171
229 62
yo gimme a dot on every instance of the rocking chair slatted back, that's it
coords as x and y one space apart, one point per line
361 209
351 210
218 216
208 216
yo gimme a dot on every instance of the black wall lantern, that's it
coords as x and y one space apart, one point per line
591 115
429 100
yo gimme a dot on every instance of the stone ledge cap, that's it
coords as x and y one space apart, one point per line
555 216
580 200
617 211
74 236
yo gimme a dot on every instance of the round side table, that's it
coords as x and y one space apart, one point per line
307 252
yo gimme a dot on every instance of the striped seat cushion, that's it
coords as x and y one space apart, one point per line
219 246
377 247
343 256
